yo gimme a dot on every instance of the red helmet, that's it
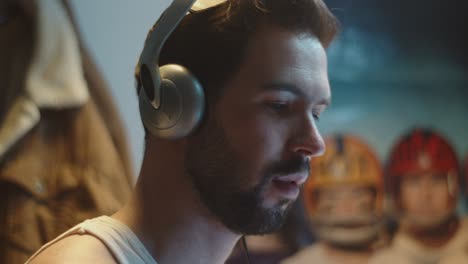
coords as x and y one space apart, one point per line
421 151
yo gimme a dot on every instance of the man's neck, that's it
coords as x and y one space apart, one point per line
267 243
167 215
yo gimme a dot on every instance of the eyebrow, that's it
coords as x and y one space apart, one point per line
292 89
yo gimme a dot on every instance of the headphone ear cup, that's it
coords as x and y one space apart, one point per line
182 104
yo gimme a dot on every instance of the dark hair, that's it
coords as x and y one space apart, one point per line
211 43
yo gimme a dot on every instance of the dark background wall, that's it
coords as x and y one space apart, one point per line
396 65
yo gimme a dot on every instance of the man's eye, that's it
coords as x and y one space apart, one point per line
278 106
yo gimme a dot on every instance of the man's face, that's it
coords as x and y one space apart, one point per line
252 153
426 199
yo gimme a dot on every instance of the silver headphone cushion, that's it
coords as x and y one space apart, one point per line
182 104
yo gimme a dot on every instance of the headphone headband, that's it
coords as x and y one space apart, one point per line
149 69
202 5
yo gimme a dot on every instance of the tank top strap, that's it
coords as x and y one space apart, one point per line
117 237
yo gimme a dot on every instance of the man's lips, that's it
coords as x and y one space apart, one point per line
296 178
287 186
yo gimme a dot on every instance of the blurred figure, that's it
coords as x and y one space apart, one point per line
343 198
63 153
272 248
424 177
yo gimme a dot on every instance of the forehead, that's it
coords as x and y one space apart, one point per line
275 54
274 45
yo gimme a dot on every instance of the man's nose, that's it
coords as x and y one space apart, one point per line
307 140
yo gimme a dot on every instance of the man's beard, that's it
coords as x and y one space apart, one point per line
220 176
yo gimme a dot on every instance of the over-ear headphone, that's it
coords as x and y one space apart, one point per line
171 100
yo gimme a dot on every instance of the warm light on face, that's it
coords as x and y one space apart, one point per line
251 156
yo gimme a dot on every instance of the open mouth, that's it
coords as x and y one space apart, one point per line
297 178
288 186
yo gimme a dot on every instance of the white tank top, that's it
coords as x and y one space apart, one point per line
119 239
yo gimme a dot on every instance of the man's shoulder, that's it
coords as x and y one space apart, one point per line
76 249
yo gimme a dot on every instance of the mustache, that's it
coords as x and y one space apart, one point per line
291 166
